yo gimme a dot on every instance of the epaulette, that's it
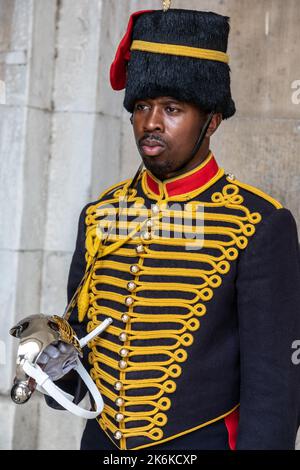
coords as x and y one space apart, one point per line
252 189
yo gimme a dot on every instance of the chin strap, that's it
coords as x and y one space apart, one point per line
48 387
202 134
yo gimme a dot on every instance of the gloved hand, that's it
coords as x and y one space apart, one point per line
58 359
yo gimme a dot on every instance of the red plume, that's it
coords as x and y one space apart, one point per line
118 67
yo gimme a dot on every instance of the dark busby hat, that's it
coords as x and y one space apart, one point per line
178 53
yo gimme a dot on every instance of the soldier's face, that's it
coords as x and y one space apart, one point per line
166 131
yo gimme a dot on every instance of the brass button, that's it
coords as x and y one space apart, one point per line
119 401
123 337
122 364
149 223
129 301
119 417
231 176
134 269
118 386
139 249
118 435
146 236
131 286
124 352
125 318
155 209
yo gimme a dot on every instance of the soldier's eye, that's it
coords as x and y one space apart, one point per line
172 110
140 106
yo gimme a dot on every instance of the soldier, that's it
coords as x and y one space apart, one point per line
199 271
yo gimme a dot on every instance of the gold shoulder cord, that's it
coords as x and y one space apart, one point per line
71 305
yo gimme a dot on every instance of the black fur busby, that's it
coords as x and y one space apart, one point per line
203 82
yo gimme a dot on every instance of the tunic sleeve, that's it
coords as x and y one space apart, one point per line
268 298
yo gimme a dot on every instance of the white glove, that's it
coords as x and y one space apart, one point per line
58 359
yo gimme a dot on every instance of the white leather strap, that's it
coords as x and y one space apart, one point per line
46 385
95 332
65 394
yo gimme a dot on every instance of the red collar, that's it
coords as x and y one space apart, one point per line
186 183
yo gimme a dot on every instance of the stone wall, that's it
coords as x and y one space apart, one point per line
64 137
59 123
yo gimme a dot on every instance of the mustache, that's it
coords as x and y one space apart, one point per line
152 138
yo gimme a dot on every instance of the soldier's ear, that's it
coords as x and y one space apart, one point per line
214 124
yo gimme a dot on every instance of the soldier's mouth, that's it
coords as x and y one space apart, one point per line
151 147
152 150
